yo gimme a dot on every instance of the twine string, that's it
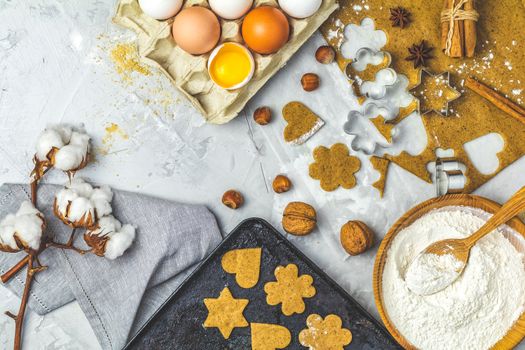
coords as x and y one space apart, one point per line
455 13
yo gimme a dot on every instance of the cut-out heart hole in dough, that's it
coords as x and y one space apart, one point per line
483 152
269 336
245 264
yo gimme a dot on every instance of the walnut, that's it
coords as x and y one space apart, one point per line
356 237
299 218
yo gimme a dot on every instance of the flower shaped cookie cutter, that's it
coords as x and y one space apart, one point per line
366 65
434 93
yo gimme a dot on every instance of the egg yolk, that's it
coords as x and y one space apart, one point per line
231 66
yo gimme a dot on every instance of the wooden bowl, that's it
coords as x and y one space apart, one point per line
517 332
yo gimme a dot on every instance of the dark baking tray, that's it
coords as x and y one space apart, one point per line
178 323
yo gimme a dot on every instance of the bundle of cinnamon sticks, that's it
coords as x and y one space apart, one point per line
458 28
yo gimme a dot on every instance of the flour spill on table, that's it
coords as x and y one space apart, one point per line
479 308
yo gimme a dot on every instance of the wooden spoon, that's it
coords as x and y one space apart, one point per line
459 249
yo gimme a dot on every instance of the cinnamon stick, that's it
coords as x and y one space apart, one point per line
445 26
498 100
458 35
471 35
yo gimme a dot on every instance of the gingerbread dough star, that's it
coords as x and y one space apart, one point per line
225 313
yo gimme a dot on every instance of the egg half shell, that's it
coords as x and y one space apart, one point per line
300 8
218 56
160 9
230 9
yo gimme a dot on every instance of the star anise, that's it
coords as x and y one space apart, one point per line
400 17
419 53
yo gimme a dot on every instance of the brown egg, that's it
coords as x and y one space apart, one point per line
265 29
196 30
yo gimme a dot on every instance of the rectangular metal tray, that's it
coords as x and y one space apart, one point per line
178 323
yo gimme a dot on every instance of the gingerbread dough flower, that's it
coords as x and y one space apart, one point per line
289 289
334 167
325 334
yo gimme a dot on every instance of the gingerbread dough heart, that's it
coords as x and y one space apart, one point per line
245 264
269 336
302 123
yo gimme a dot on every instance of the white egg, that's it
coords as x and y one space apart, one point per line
300 8
160 9
230 9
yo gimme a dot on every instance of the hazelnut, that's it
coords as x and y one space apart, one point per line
356 237
281 184
232 199
310 82
325 54
262 115
299 218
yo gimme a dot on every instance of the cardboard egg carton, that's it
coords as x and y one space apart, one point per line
189 73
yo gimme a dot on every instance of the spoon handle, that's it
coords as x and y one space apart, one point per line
513 207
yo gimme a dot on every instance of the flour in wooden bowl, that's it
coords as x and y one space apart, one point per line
479 308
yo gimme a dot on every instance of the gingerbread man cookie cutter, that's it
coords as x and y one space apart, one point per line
361 142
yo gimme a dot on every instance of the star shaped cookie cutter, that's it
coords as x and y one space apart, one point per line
442 79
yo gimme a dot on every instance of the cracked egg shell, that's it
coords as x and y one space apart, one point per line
196 30
231 66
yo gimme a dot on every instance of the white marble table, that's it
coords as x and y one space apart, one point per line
54 67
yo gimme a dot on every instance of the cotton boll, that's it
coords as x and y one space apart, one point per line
101 199
53 136
63 197
80 209
27 225
80 139
72 147
48 139
87 203
119 242
7 232
65 132
27 208
28 229
81 187
118 237
69 157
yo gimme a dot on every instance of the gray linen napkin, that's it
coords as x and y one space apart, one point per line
117 296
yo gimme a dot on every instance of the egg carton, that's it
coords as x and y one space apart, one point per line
189 73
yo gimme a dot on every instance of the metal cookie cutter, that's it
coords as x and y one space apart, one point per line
362 141
444 79
449 176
